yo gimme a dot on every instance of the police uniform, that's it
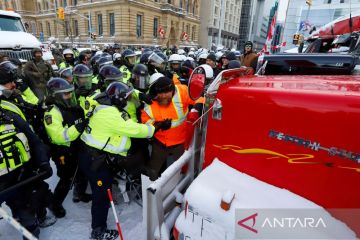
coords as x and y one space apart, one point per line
106 142
63 134
20 152
126 73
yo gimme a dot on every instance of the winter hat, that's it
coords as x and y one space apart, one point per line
230 56
212 57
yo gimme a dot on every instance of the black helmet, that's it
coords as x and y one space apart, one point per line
35 50
118 93
82 55
140 77
109 74
129 57
161 85
248 43
144 59
62 92
8 72
82 76
116 46
234 64
66 73
147 50
107 60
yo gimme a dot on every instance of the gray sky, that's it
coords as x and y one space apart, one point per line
282 10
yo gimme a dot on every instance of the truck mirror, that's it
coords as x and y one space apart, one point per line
197 83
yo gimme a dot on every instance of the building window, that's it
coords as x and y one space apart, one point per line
187 6
75 2
342 1
100 24
193 9
112 24
169 1
76 28
155 29
66 28
193 33
48 28
88 24
138 25
65 3
41 28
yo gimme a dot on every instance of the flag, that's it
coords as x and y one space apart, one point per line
161 32
305 26
184 36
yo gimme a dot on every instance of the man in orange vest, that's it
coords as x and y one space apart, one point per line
168 113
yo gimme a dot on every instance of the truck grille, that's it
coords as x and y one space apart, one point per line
23 54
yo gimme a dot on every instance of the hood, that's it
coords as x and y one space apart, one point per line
18 40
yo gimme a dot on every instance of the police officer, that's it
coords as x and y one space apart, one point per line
129 58
67 74
11 114
69 59
64 122
83 83
106 142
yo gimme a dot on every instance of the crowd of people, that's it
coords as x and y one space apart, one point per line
102 113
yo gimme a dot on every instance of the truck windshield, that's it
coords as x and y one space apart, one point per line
11 24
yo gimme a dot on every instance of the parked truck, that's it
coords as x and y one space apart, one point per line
265 143
15 42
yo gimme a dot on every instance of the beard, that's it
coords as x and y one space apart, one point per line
164 101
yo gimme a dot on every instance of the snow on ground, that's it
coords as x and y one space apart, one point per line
77 222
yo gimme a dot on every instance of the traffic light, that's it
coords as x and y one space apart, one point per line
309 2
296 38
61 13
93 36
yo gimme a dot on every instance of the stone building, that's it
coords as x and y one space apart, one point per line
129 22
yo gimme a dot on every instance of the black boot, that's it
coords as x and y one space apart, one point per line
104 234
58 210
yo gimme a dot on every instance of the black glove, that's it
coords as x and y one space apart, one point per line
162 125
81 123
21 85
46 169
145 98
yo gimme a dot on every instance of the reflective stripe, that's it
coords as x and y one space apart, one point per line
150 132
179 109
66 135
148 110
3 171
150 121
91 141
12 107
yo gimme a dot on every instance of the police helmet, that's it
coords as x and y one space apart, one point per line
140 77
82 76
175 58
62 92
129 57
8 72
107 60
35 50
68 51
66 73
118 92
109 74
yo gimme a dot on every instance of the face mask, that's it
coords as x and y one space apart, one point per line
7 93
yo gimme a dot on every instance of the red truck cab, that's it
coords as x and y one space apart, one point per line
274 142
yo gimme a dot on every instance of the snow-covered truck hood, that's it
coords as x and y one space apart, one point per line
16 40
207 220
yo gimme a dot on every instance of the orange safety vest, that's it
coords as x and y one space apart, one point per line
176 79
177 110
